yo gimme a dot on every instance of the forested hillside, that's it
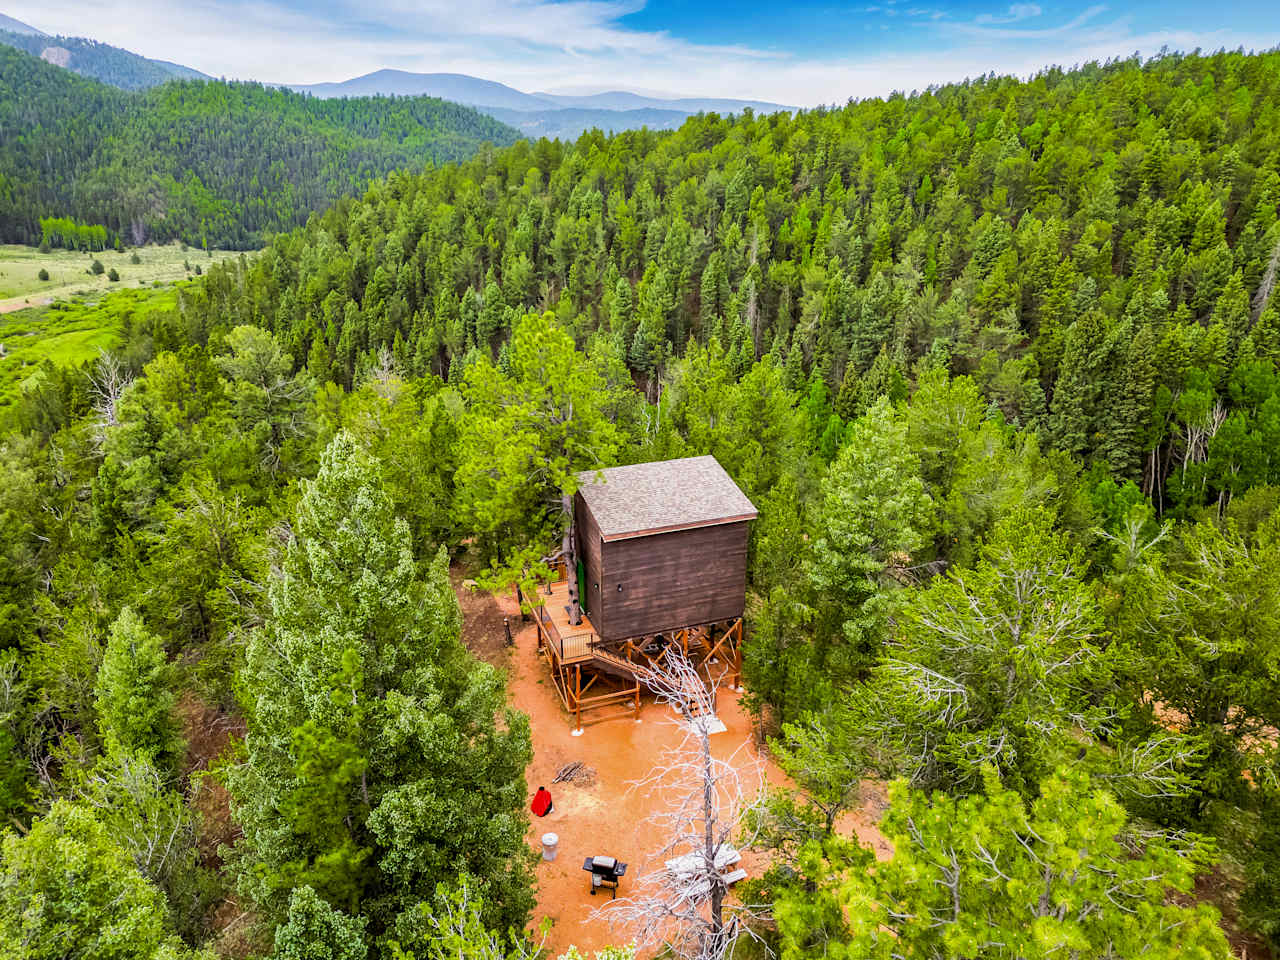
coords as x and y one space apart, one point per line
214 164
99 61
996 362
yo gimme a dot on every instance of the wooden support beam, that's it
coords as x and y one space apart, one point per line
613 696
737 654
726 642
560 683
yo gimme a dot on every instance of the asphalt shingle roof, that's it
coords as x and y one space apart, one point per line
661 496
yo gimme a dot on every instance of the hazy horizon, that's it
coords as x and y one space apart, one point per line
806 54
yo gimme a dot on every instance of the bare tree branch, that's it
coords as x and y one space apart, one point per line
107 385
704 804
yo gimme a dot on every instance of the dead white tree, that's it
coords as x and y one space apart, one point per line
1268 284
1197 433
704 805
107 385
385 376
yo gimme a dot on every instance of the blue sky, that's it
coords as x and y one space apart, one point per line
802 53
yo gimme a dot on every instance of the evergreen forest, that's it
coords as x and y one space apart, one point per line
101 61
998 363
210 163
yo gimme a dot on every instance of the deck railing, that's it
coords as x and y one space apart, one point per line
568 646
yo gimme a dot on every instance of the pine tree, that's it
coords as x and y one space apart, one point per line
621 311
1128 414
873 324
315 931
134 693
874 515
1231 313
1073 413
715 292
380 758
649 347
994 875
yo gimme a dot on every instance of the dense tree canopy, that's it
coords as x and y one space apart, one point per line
992 876
100 61
995 361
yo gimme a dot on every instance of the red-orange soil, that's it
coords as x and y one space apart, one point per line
606 815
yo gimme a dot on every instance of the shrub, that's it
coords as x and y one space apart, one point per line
97 268
198 270
44 246
135 259
43 274
113 274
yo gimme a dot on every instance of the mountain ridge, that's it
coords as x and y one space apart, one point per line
17 26
210 162
97 61
477 91
626 100
564 116
552 115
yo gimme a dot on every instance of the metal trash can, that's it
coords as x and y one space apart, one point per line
550 846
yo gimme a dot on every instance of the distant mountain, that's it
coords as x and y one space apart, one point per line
534 115
98 61
17 26
623 100
562 116
570 124
457 87
181 72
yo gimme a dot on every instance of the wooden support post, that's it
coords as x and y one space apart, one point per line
577 696
737 654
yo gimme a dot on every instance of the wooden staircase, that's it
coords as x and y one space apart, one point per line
591 675
606 661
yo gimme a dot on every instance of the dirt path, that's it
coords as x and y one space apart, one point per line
605 815
21 303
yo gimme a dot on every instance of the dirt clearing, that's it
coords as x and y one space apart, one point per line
600 813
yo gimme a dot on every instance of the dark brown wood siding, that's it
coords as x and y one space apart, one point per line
671 580
588 547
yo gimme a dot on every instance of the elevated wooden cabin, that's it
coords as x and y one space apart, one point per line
660 546
655 561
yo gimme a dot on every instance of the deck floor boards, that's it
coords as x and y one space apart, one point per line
575 640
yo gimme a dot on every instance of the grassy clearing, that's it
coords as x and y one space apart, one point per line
68 334
70 276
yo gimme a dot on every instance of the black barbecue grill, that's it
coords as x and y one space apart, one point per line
605 872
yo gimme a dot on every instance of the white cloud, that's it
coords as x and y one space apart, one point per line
994 27
584 44
1019 11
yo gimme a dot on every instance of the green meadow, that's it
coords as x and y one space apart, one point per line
75 314
70 273
68 333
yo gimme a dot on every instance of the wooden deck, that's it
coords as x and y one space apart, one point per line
590 675
568 642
